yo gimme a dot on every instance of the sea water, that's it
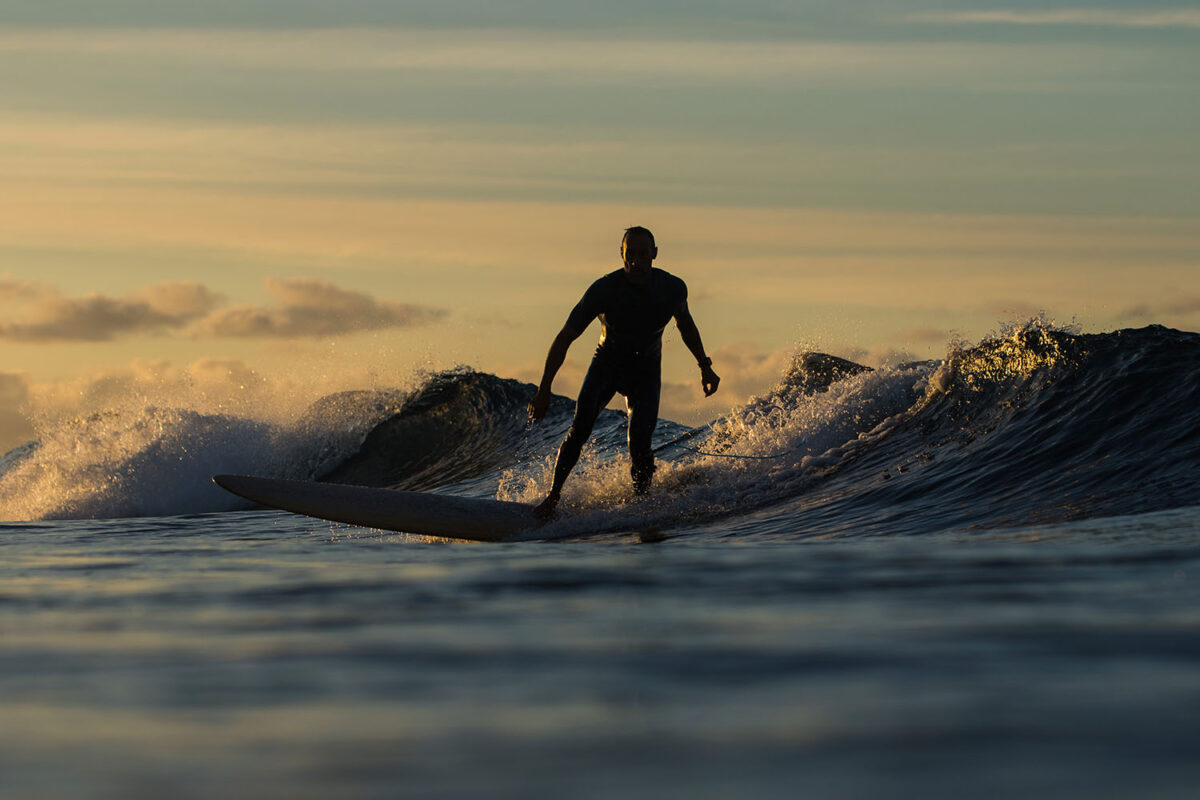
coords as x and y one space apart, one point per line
972 577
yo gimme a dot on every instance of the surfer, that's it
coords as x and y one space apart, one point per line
634 304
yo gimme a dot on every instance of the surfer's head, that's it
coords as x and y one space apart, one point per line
638 252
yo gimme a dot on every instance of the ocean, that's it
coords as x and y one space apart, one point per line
975 576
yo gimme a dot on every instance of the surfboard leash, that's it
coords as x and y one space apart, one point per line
719 455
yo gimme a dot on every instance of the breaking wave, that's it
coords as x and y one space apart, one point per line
1032 426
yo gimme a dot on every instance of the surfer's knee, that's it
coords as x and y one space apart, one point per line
580 431
642 420
575 439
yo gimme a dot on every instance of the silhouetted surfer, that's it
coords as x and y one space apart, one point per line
634 304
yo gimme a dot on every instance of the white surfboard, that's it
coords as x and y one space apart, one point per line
388 509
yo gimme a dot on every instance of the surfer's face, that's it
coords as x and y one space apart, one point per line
638 253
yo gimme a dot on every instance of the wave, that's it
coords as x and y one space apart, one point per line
1030 426
1035 426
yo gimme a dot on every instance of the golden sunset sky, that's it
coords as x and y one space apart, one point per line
312 196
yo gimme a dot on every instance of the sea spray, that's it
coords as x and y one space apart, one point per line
137 458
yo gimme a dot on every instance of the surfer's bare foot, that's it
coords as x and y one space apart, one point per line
642 473
545 509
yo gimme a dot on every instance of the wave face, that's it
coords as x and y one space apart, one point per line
1034 426
1037 427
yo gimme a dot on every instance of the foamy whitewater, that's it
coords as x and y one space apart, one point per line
970 575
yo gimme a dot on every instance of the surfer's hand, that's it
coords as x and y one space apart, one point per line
538 405
709 380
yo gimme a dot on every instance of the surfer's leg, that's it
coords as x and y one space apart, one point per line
642 406
598 388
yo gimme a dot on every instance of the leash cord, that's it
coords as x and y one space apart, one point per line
719 455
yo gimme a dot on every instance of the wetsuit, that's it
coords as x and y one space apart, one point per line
628 360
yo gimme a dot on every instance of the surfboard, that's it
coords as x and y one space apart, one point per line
388 509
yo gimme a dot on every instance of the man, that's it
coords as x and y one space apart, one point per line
634 304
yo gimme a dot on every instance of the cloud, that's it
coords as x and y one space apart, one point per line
43 314
1186 305
312 307
12 291
549 55
921 334
1138 313
745 371
207 385
1162 312
227 373
1109 18
1014 309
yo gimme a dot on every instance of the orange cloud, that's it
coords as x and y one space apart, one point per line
306 307
1146 312
1099 17
207 385
45 315
312 307
745 371
922 334
1014 308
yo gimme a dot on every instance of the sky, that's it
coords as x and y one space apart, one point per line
305 196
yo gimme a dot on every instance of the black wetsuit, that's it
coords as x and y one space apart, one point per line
628 360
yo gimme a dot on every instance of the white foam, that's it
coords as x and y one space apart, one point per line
762 452
147 460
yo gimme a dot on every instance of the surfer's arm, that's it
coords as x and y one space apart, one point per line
554 360
581 316
690 334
